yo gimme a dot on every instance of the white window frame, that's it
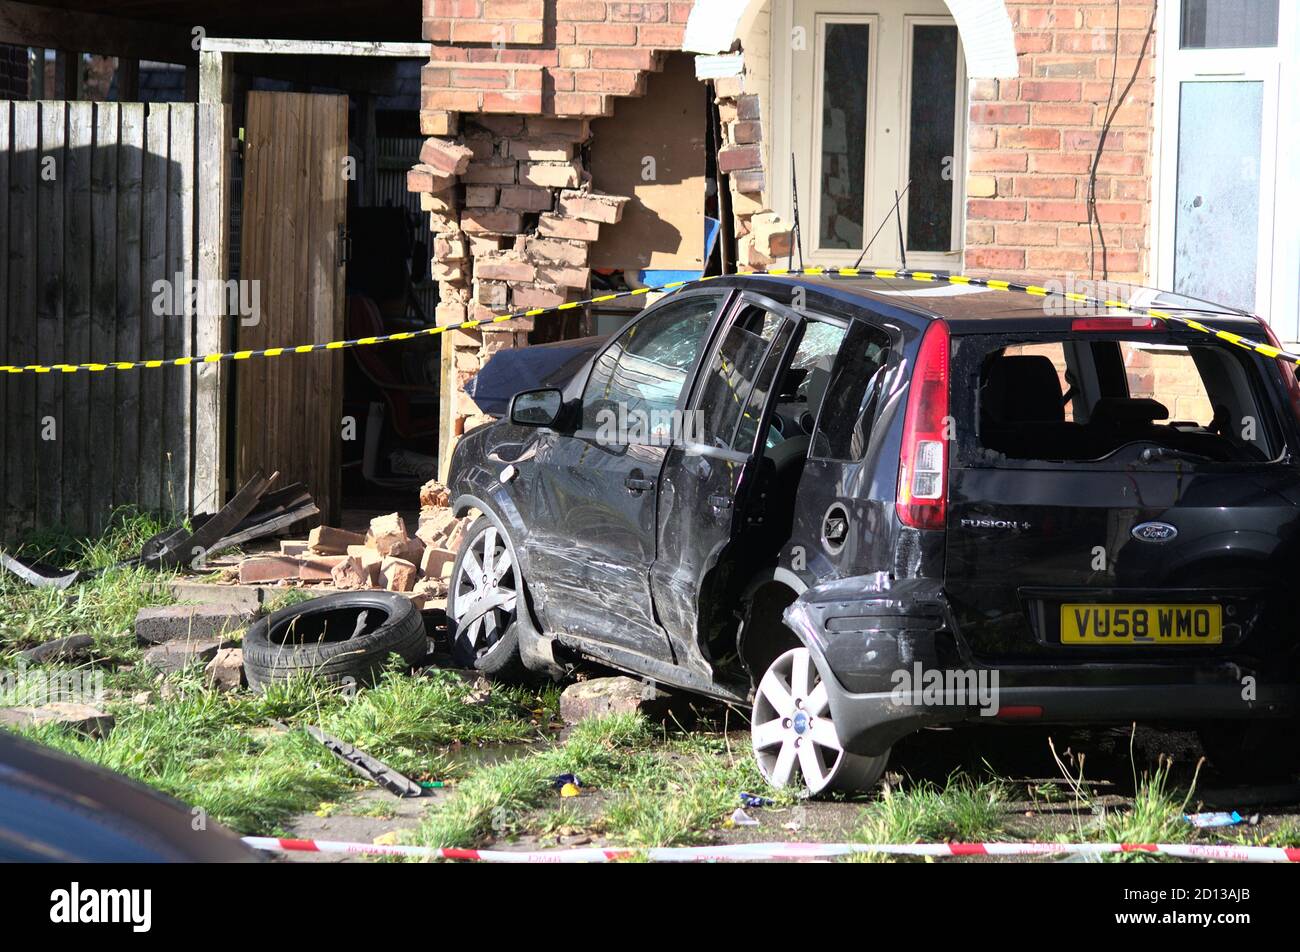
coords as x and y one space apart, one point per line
1277 273
820 22
779 192
937 260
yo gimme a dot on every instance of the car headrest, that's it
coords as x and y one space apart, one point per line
1128 411
1022 389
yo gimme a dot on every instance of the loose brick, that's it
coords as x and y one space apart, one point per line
553 226
447 157
386 532
557 251
437 563
504 269
326 540
351 574
592 206
159 624
434 526
541 150
527 198
481 196
398 575
564 277
318 568
492 172
425 178
269 568
496 222
551 174
537 297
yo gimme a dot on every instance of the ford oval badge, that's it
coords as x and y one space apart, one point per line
1154 532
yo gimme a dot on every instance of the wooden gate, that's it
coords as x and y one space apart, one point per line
295 205
98 241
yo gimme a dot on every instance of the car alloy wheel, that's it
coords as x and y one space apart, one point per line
486 592
794 737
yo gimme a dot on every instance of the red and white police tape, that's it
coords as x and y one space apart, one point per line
742 852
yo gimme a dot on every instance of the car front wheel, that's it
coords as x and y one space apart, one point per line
794 736
484 601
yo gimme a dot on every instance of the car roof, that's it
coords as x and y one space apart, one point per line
970 307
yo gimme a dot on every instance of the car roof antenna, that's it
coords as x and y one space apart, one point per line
798 231
898 216
897 199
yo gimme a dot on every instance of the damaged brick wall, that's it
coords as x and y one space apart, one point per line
506 101
1032 142
761 236
513 214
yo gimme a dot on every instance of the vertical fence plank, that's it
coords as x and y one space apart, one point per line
130 189
20 457
179 322
77 452
153 275
103 312
209 331
6 121
50 428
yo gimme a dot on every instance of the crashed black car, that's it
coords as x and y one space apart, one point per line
867 507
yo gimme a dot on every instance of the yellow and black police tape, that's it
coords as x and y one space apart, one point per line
928 277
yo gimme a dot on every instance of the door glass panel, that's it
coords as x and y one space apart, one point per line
1228 24
845 53
932 147
851 393
643 372
1216 220
733 373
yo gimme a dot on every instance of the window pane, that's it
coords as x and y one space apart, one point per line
1216 218
1228 24
932 151
733 375
844 133
848 409
645 369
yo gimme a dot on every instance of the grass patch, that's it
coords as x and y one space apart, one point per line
1156 815
104 607
215 751
962 810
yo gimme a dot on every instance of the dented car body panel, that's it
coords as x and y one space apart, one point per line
650 553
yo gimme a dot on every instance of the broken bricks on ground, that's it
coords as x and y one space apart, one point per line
387 556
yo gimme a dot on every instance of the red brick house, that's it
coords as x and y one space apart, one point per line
996 111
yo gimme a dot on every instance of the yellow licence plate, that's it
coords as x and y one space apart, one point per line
1141 624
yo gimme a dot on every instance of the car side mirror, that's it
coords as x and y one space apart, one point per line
536 407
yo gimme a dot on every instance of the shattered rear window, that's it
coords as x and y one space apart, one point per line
1093 399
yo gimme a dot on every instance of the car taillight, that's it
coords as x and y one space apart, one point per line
1288 371
923 458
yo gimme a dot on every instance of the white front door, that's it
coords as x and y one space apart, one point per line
877 99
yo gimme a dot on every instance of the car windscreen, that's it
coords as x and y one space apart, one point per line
1073 398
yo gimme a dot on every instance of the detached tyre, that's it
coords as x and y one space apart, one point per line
334 638
484 602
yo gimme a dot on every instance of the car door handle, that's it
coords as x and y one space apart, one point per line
638 485
720 502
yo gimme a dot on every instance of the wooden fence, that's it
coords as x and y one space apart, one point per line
99 237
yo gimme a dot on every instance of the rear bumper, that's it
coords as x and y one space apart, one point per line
890 669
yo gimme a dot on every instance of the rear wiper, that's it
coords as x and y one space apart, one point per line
1157 454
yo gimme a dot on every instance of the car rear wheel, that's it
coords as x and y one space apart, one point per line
484 601
1253 751
794 737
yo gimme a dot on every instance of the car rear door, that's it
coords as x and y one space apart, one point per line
592 537
1096 529
707 492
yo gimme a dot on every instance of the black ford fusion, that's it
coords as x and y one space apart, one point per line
865 507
